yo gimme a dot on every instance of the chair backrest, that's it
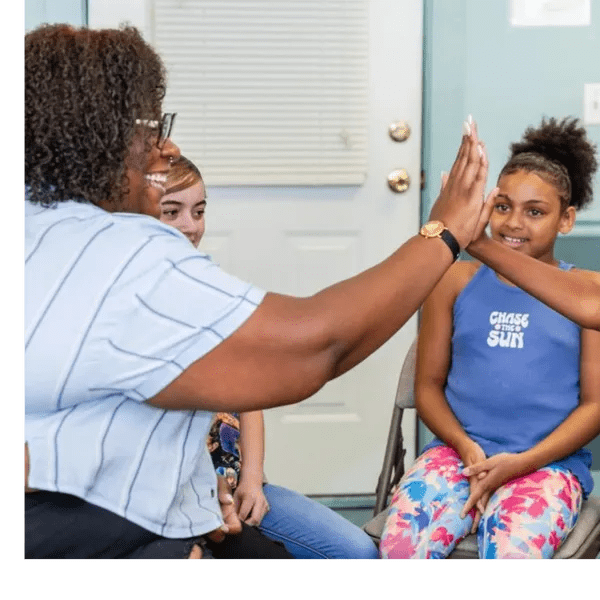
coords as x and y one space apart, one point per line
405 392
393 460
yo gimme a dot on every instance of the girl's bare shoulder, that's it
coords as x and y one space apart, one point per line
459 275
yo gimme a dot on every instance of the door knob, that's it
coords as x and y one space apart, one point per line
399 181
399 131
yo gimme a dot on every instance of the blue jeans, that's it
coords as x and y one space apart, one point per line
310 530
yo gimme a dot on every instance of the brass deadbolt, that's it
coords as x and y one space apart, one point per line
399 181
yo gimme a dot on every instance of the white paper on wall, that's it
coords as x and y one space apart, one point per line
544 13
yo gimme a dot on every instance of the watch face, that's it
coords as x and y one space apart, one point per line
432 229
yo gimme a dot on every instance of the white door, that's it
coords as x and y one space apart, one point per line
297 240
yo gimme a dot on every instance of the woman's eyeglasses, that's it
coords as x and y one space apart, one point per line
163 128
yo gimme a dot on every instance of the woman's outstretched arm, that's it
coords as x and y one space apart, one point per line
290 347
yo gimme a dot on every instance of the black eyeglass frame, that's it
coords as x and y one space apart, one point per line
164 127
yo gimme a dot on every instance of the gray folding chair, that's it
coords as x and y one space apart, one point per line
582 542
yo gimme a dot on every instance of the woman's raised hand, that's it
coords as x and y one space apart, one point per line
460 203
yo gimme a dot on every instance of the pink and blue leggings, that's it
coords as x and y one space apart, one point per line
528 517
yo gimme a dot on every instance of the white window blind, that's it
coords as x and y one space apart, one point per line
270 92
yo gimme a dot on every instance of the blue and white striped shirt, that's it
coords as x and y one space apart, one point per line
117 305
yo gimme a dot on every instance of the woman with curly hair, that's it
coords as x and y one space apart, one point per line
510 388
88 95
132 336
94 136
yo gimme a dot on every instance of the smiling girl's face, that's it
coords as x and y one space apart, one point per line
184 210
528 215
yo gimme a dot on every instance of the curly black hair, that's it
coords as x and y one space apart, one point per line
561 153
84 90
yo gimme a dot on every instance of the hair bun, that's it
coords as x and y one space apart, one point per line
565 142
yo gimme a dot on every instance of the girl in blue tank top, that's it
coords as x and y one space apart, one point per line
510 387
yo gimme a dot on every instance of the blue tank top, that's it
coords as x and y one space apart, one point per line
514 375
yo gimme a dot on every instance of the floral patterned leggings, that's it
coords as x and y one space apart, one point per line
528 517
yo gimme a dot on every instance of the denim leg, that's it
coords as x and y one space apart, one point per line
310 530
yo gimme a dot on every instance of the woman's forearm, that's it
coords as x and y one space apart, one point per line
290 347
401 282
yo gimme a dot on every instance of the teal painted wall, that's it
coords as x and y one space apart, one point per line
506 77
55 11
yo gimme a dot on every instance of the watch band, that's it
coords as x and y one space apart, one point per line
451 243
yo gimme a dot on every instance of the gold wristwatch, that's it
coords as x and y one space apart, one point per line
434 229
